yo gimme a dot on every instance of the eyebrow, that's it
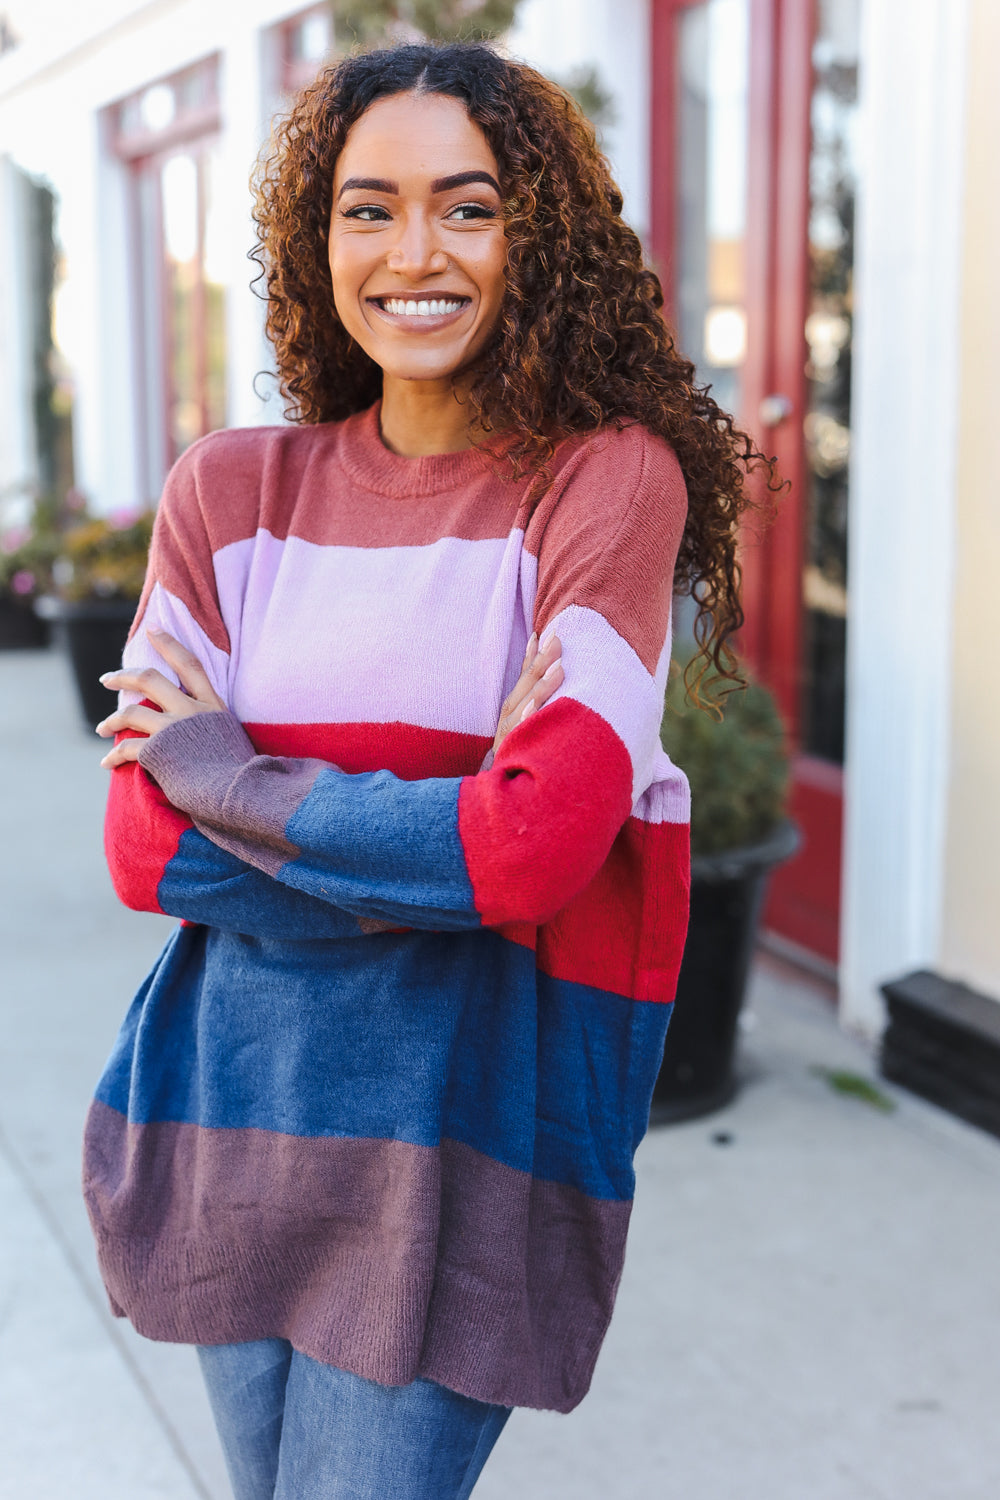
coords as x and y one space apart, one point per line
439 185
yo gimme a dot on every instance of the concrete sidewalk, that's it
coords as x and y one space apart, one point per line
810 1308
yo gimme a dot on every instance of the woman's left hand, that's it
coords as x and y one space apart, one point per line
195 696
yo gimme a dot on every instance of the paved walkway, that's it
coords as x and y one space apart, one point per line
810 1309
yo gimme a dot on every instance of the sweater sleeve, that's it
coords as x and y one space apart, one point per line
157 858
518 841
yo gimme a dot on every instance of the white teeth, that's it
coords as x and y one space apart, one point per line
402 308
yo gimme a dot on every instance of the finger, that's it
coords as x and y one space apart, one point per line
531 690
122 754
148 683
144 720
550 683
533 673
187 666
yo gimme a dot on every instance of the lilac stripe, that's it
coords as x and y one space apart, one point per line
413 634
380 1257
667 799
603 672
165 611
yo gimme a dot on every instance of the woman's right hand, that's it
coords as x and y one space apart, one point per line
541 676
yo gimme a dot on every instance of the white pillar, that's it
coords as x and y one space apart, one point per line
906 390
18 459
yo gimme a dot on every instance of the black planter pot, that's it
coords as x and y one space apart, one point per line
727 896
20 627
94 633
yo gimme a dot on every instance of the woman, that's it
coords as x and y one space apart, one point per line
366 1137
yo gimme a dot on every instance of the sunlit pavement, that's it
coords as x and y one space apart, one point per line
810 1308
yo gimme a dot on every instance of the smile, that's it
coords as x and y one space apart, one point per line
420 309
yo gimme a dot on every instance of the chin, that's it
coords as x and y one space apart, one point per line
422 369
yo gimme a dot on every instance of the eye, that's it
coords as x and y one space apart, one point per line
466 211
368 213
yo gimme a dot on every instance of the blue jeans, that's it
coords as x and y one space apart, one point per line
293 1429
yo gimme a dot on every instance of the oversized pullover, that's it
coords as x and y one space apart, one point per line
381 1092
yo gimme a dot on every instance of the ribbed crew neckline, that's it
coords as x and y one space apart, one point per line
375 467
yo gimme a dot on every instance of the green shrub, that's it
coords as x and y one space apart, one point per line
737 764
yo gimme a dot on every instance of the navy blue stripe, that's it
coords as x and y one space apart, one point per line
383 847
414 1037
206 884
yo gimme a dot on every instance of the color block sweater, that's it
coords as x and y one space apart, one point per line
381 1092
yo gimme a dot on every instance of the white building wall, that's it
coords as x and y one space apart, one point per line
559 36
903 478
76 60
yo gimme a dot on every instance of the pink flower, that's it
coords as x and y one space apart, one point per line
23 582
75 500
14 538
124 517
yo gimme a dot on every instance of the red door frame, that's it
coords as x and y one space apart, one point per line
803 906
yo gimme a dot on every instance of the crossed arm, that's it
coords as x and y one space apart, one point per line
164 859
541 676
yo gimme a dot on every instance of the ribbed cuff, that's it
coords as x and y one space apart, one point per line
195 759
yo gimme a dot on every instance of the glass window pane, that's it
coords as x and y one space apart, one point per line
214 273
832 178
181 250
712 176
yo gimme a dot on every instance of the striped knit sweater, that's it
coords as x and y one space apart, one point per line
381 1092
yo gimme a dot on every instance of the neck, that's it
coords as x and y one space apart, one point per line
420 417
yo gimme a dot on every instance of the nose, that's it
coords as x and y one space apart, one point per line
416 251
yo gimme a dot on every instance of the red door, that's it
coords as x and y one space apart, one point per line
753 109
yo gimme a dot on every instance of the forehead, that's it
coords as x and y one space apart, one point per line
413 136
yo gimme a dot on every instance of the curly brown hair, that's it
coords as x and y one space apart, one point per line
581 341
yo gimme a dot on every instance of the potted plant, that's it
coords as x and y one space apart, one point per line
736 759
97 579
27 553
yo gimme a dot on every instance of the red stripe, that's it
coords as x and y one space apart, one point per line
409 752
625 931
537 828
141 833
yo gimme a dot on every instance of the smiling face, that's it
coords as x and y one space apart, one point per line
417 248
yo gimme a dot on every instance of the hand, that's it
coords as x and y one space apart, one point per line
541 675
195 696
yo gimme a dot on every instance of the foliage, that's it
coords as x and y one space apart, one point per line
585 85
104 557
373 21
736 759
854 1086
28 553
64 551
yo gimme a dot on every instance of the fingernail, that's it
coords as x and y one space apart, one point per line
531 647
552 669
528 708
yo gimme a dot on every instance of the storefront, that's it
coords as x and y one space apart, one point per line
810 178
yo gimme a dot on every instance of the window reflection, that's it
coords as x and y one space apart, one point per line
167 134
828 330
712 165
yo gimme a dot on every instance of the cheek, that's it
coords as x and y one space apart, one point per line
493 275
346 275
